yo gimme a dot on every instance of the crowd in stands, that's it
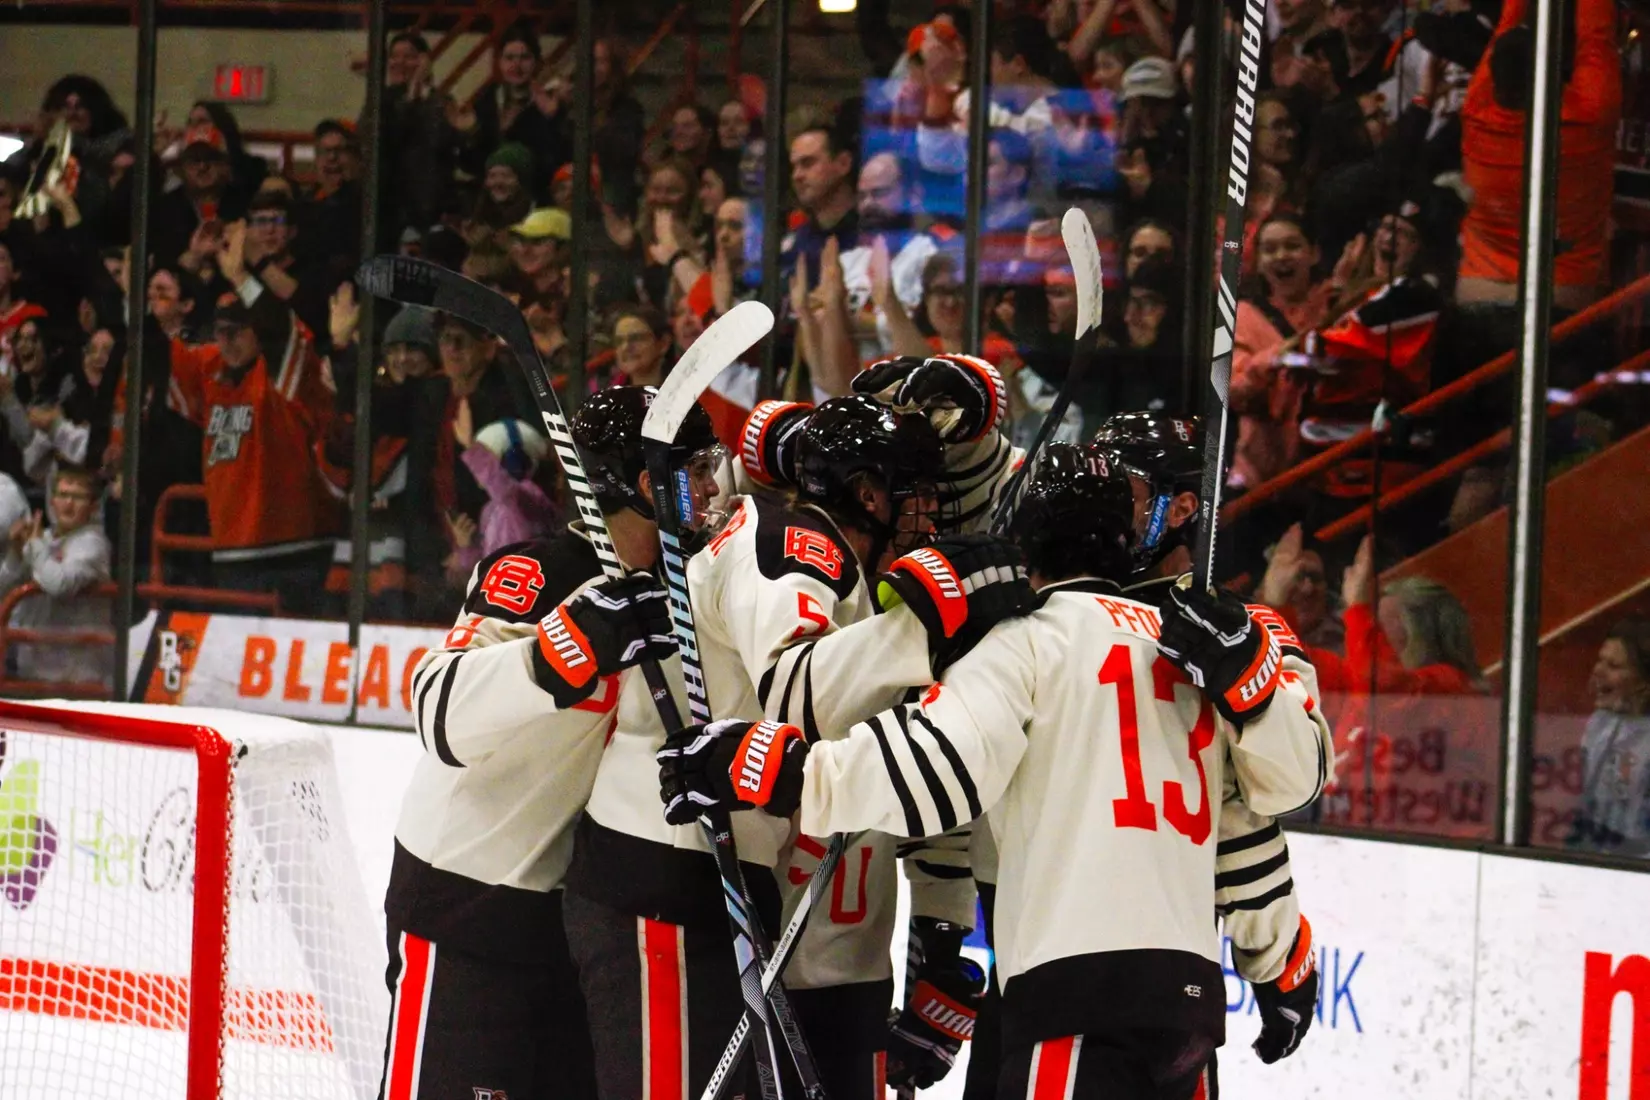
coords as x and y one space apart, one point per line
1381 255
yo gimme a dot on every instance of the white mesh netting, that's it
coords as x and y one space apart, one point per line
97 864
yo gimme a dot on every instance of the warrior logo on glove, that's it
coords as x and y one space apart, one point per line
935 573
566 649
756 761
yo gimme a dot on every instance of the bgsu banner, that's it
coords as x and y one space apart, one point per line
299 668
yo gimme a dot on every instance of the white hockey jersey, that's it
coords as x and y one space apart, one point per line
486 825
1254 883
773 594
1102 767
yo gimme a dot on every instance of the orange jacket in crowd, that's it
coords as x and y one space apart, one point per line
1492 150
263 493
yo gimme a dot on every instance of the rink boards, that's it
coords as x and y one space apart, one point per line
1444 973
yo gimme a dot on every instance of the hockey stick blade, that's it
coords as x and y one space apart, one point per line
717 348
1084 253
1216 411
415 281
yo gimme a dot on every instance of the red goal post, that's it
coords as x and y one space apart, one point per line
255 871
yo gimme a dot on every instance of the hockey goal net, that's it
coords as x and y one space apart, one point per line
181 914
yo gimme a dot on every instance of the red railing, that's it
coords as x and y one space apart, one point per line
1359 519
161 540
1433 401
79 638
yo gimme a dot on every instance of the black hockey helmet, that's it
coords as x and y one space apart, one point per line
848 437
607 430
1076 515
1166 453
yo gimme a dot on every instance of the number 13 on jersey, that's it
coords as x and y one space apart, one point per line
1135 810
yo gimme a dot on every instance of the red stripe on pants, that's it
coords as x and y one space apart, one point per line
664 1010
409 1013
1054 1068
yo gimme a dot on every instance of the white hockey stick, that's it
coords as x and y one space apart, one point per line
1084 253
709 355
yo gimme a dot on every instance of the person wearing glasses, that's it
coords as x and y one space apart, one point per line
271 232
64 557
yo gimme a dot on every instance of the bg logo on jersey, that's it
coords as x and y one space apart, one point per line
813 548
513 583
226 427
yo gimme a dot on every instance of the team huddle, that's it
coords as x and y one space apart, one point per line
1042 719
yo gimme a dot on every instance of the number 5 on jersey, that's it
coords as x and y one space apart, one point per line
1135 810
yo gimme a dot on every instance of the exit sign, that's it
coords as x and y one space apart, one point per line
242 83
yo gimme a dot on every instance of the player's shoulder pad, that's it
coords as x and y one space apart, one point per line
799 541
523 582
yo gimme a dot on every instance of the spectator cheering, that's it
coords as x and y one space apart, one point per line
1614 815
64 559
262 401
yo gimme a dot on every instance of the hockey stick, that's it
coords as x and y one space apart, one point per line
1216 413
415 281
1084 254
708 356
775 966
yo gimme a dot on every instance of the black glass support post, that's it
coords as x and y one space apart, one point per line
775 186
979 120
1527 511
1209 39
137 304
360 496
578 276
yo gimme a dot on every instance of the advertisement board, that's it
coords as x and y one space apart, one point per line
296 668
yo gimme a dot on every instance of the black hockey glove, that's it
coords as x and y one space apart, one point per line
731 765
940 1007
603 630
960 587
962 396
1234 657
767 443
1288 1003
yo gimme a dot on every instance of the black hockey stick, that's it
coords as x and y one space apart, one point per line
775 965
1216 413
1084 254
414 281
709 355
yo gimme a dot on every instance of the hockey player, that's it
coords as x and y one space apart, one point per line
1078 720
1255 888
512 711
845 949
787 629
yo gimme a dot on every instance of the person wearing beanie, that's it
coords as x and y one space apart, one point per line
409 344
506 191
505 458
